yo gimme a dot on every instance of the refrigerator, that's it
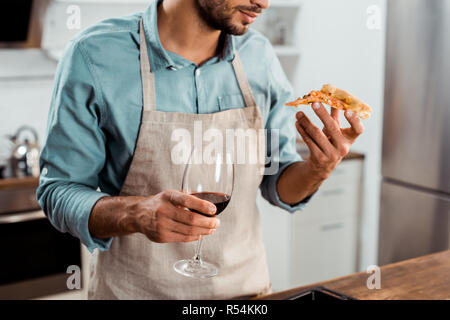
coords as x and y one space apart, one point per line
415 192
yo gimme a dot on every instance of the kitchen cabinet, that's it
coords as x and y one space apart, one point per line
322 249
36 256
320 242
76 294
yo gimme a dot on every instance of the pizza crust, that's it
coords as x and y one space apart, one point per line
336 98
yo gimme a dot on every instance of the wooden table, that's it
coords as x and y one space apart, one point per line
426 277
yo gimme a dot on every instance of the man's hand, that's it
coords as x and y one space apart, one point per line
162 217
327 147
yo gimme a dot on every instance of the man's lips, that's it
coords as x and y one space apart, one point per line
249 17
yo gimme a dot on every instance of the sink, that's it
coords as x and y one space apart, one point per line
319 294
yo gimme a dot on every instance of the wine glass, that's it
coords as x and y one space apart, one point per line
212 181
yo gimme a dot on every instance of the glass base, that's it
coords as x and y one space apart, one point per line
195 268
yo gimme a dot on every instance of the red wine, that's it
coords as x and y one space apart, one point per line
220 200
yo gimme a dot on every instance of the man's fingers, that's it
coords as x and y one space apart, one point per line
335 115
194 219
313 148
356 126
332 127
315 134
191 202
187 230
176 237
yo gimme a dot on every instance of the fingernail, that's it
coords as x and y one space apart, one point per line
212 231
217 223
349 113
316 105
212 209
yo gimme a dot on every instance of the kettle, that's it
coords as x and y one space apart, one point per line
24 160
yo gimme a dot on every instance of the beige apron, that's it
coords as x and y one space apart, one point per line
137 268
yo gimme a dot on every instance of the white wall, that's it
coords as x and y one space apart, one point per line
26 85
60 23
337 47
31 108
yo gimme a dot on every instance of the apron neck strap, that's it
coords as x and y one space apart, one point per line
243 81
147 76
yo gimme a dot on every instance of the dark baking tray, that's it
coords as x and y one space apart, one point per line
319 294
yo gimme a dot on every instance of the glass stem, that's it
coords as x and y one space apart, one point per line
197 258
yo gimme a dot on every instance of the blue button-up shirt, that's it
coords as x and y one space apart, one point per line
96 109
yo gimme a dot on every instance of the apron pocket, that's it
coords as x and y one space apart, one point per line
233 101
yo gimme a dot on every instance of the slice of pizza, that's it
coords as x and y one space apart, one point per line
336 98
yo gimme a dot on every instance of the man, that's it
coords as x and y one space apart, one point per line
115 104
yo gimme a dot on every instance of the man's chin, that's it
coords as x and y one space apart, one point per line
238 29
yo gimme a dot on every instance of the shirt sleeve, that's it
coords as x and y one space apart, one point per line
74 151
281 134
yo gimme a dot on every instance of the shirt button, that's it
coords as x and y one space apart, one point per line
173 68
44 171
197 72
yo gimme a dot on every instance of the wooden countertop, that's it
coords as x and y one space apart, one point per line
16 183
426 278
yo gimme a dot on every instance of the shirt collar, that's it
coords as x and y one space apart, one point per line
228 48
159 57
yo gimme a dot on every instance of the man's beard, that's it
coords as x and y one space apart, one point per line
218 15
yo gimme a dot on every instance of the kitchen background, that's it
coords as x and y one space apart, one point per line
317 41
